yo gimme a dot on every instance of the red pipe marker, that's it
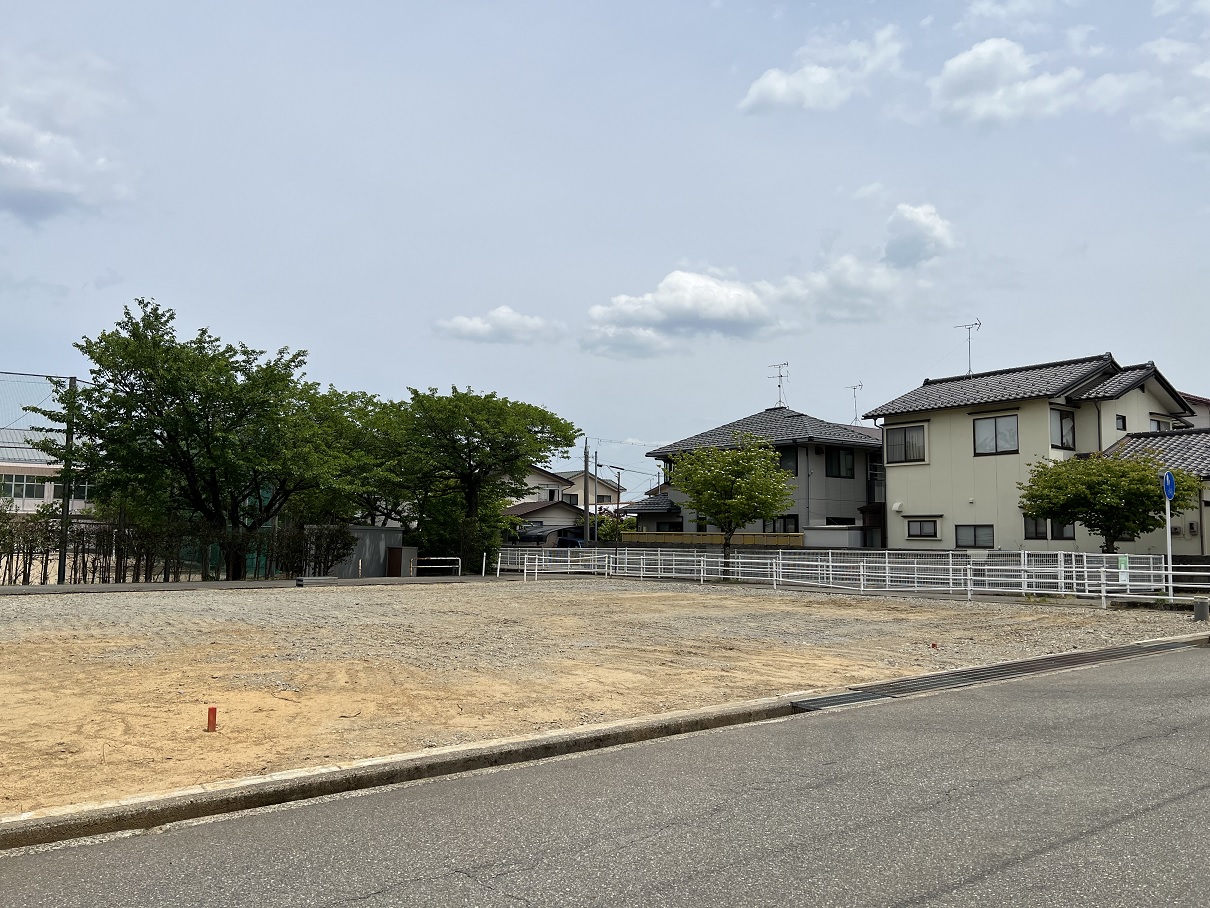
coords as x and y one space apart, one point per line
211 718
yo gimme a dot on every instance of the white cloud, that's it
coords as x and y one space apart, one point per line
915 235
873 190
53 153
1079 42
851 289
994 82
1168 7
502 325
684 304
1113 91
831 73
1183 119
1169 50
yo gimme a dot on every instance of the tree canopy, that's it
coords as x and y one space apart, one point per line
476 449
1116 498
217 430
731 487
225 439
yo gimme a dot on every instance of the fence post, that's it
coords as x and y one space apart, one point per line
1104 591
1024 571
703 567
861 575
970 582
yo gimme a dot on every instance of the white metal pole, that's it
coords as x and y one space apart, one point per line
1168 526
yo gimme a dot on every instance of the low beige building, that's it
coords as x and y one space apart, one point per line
956 449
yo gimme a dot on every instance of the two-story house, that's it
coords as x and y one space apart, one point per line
956 448
837 479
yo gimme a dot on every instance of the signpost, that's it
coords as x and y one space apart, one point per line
1169 494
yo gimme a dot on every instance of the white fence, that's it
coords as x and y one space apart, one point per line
1104 577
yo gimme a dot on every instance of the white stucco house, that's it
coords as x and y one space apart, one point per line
955 449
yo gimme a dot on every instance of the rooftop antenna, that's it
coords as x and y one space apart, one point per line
855 388
973 326
781 376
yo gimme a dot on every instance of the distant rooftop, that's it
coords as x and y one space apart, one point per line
777 424
1182 449
1088 378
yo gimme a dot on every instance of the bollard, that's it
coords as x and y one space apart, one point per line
211 718
1201 609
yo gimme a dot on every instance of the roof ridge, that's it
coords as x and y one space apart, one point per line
1104 357
1198 430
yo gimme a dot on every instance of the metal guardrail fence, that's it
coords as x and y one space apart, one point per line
1103 577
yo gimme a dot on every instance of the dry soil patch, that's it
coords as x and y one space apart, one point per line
105 694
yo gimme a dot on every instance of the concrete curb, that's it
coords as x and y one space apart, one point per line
41 827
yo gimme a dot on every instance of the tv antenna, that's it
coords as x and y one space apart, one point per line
781 377
855 388
973 326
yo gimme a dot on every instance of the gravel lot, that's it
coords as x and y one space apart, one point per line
106 693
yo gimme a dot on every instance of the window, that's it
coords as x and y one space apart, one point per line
1062 530
701 526
974 536
839 463
1159 425
905 444
670 526
551 493
996 435
17 485
1120 422
79 491
840 521
1062 430
786 523
1035 527
604 499
788 460
922 529
572 499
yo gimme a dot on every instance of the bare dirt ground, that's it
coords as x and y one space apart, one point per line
104 695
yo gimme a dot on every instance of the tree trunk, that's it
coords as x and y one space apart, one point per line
727 552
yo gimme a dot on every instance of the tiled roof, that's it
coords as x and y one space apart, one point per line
1023 382
15 449
1116 385
1195 398
652 504
776 424
526 508
1185 449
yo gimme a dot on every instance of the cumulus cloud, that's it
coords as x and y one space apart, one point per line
916 234
995 82
1169 50
54 157
845 288
684 304
831 73
502 325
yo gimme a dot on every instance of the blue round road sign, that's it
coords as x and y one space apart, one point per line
1169 485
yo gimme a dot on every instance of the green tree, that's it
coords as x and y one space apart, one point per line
1113 497
219 432
607 528
465 454
731 487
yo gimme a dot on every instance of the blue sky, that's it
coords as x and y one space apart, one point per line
623 211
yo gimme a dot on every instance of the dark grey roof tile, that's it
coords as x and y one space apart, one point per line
776 424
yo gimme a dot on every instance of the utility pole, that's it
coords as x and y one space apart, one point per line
617 514
586 490
66 479
596 494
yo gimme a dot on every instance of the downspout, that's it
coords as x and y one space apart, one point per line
1100 440
807 446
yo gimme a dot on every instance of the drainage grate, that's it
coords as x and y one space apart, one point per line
963 677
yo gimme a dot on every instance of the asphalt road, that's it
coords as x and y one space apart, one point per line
1085 788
